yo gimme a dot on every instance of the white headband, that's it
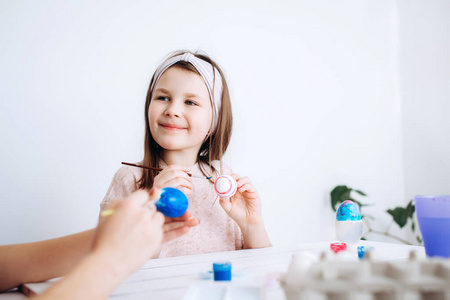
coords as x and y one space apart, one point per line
210 75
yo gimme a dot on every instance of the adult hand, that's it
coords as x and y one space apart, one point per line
131 234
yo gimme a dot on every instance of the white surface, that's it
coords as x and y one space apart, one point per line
223 291
170 278
425 68
315 90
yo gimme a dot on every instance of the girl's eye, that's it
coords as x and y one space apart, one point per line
162 98
189 102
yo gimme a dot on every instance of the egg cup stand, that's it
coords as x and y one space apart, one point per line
330 278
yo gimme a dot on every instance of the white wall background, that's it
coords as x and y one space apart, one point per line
425 68
323 92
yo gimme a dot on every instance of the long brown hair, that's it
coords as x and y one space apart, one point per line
214 146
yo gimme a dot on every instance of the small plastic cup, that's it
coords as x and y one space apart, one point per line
433 215
222 271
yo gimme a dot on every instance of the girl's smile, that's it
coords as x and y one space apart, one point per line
172 127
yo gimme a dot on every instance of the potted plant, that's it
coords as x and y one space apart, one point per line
400 215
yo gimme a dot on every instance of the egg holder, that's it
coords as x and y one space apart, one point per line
349 231
330 278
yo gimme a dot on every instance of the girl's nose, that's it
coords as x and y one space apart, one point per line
173 110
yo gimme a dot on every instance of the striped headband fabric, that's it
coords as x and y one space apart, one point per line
210 75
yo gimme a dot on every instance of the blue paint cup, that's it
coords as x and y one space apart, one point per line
433 214
222 271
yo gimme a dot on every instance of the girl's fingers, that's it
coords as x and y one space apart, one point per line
241 181
173 225
226 204
183 218
185 190
176 182
162 178
192 222
171 235
247 187
180 176
182 185
174 171
235 176
178 224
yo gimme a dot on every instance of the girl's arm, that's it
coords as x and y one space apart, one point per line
123 184
34 262
255 236
245 208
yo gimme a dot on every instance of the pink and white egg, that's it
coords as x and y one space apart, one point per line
225 186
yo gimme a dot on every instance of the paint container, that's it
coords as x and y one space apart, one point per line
337 247
222 271
362 250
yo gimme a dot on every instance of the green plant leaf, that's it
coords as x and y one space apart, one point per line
360 192
338 195
399 215
410 209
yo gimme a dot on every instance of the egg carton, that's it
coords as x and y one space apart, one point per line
311 278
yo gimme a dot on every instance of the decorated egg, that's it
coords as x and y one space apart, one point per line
172 203
348 211
348 223
225 186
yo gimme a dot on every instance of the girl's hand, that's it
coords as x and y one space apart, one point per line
244 206
176 177
176 227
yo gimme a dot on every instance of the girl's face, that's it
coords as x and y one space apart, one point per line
180 112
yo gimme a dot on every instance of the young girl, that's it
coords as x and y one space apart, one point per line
188 128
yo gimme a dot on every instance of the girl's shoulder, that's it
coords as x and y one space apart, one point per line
123 184
127 173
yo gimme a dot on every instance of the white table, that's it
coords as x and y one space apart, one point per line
170 278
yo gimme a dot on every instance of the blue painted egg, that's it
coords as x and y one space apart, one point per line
348 211
172 202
